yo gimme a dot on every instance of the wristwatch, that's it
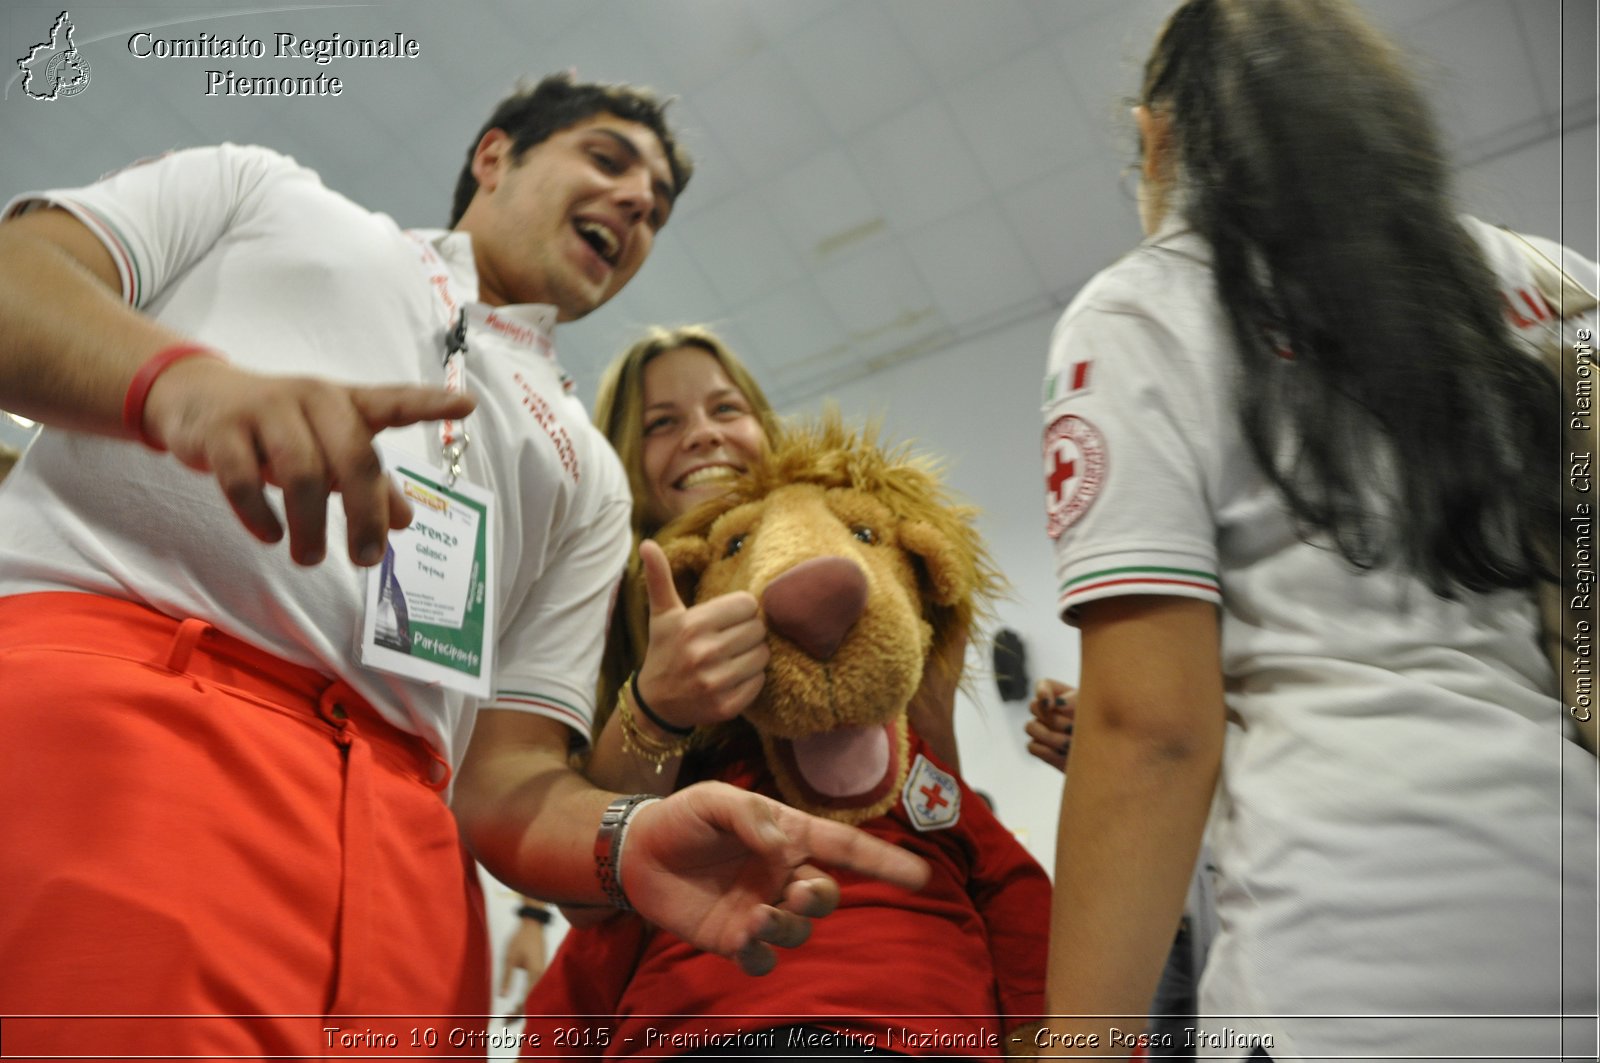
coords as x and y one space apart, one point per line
608 845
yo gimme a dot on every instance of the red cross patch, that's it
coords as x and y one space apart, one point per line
931 796
1074 470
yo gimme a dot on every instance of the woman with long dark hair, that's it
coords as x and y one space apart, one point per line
1302 475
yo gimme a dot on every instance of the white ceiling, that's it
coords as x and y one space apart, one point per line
877 178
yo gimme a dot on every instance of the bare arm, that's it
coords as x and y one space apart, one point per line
1146 752
69 348
615 766
527 816
70 345
724 869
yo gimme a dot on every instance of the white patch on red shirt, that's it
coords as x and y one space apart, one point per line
1074 470
931 796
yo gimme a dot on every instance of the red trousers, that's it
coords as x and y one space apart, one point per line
206 851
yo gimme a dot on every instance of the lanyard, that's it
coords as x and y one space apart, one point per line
453 437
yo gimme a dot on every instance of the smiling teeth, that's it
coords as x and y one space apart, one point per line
603 239
710 474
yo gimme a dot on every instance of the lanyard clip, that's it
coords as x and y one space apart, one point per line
454 452
455 341
453 436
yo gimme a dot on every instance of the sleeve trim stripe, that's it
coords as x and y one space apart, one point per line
1209 587
576 718
119 248
1155 571
540 696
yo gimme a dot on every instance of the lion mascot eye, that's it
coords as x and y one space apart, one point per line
864 534
734 545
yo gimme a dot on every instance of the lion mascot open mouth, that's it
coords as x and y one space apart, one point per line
864 568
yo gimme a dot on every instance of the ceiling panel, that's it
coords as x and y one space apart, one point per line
761 118
973 264
875 178
854 64
679 290
879 298
918 166
715 178
824 207
1551 29
1480 97
1102 58
783 18
955 39
741 250
1394 16
706 37
796 335
1069 228
1021 119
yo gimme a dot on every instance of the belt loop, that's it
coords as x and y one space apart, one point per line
184 640
426 765
439 773
329 707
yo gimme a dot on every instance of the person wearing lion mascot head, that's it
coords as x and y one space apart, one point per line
864 568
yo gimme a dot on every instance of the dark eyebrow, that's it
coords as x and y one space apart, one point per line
662 188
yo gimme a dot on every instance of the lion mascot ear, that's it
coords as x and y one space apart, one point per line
951 577
688 555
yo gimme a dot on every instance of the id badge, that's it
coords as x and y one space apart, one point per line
430 610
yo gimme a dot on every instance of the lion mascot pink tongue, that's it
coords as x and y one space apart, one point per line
867 574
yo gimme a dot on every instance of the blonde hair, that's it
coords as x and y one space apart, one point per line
619 413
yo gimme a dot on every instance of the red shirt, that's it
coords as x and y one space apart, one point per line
946 970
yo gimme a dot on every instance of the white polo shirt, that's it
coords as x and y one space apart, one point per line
244 250
1397 794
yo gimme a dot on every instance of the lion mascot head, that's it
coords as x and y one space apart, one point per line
864 568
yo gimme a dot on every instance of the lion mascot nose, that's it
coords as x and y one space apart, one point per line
815 603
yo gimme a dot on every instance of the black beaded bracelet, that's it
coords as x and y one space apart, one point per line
537 914
650 714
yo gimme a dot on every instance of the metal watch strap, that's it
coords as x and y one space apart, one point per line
608 845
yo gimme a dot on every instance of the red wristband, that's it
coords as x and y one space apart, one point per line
144 380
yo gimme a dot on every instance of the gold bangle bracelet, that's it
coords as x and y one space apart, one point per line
637 743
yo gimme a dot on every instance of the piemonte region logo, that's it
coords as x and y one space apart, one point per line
55 69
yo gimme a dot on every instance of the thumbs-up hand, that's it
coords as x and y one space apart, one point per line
704 663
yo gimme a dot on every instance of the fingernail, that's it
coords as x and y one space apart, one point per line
371 554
